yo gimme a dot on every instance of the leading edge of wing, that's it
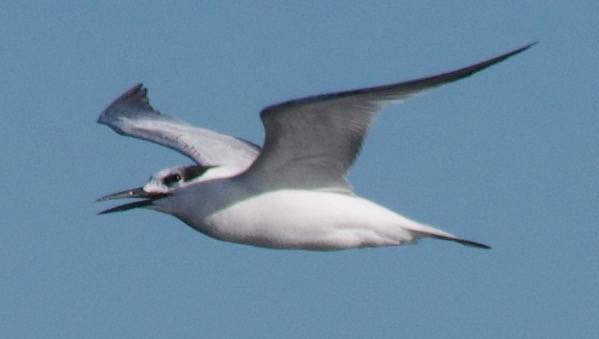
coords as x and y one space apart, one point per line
402 89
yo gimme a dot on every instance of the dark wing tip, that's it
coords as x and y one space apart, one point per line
466 71
136 97
522 49
507 55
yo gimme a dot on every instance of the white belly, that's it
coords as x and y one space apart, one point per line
306 220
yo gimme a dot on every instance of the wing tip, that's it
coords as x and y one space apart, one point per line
516 51
470 70
137 95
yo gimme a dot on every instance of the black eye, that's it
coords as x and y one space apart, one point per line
171 179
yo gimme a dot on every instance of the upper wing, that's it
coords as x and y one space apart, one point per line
132 115
311 142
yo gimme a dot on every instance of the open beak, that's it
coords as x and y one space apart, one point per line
133 194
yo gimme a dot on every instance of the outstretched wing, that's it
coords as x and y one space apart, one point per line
312 142
132 115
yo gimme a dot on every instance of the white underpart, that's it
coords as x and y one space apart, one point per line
293 219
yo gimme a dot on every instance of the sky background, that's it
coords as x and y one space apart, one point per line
508 157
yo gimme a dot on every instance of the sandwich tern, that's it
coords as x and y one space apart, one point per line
293 192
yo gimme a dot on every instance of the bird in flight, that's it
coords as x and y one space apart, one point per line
291 193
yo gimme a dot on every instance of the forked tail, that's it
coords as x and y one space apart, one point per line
432 232
461 241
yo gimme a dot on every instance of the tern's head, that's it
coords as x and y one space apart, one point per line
160 185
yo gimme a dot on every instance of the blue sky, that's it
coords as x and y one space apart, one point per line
508 157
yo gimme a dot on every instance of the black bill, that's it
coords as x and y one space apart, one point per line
131 194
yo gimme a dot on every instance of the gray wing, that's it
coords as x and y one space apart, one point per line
132 115
312 142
